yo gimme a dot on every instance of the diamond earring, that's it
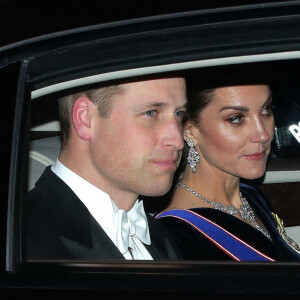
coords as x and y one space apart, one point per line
193 157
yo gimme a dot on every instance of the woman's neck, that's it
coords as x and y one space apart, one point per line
211 184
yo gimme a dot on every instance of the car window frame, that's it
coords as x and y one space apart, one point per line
162 273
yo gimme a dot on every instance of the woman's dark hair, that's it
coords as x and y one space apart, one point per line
197 101
202 83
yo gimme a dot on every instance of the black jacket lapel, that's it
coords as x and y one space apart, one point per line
101 247
161 247
79 232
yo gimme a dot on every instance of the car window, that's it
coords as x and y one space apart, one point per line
45 143
122 52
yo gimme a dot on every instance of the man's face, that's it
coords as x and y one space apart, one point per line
137 148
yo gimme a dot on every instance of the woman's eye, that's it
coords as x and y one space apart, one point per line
267 110
236 120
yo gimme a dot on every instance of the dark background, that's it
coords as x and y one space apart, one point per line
23 19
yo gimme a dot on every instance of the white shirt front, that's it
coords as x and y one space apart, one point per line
105 212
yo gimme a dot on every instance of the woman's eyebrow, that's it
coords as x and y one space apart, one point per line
243 108
269 99
239 108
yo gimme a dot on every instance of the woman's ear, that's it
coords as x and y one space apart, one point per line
188 131
81 117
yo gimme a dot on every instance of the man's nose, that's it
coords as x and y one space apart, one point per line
173 135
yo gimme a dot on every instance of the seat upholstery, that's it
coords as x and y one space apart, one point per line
43 152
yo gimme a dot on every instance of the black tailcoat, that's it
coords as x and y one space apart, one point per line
59 226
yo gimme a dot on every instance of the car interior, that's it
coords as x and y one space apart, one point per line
44 68
281 182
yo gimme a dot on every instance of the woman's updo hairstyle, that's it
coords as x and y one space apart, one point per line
202 83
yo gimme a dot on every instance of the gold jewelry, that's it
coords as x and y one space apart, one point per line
284 235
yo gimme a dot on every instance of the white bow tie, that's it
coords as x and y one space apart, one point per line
130 225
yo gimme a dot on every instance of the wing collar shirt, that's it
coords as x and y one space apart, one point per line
126 229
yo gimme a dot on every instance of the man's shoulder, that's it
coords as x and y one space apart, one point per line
38 203
52 194
50 199
43 187
51 211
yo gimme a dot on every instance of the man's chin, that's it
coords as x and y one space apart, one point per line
157 191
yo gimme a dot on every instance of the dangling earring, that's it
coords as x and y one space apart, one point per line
193 157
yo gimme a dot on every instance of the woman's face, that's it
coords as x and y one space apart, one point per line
235 131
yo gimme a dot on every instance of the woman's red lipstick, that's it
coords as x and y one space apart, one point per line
256 156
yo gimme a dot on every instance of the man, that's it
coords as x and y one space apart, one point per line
118 142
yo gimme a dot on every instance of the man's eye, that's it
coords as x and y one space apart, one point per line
180 113
236 120
150 113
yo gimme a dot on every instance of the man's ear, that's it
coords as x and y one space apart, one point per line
81 117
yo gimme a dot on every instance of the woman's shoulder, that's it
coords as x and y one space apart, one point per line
192 244
254 194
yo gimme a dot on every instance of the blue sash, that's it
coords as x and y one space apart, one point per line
226 241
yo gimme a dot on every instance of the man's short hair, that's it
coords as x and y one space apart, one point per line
100 97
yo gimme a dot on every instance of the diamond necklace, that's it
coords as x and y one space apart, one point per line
245 210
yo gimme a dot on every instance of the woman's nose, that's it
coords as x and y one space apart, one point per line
260 132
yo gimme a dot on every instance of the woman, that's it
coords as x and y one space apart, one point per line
212 215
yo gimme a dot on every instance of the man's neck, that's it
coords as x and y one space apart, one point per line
123 199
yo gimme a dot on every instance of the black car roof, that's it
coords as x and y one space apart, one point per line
171 41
